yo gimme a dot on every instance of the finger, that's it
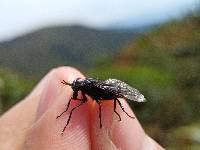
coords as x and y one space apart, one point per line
125 135
16 121
46 131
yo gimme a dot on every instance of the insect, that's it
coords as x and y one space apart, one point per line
100 90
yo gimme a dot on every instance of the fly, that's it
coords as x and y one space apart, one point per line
100 90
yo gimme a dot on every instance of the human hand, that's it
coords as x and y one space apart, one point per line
32 123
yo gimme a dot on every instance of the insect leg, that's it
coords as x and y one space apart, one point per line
115 102
70 115
74 97
123 108
65 109
99 103
84 97
82 102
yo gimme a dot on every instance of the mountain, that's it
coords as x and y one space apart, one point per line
37 52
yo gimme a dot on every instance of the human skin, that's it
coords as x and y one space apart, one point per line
32 123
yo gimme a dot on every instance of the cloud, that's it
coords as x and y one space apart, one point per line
18 16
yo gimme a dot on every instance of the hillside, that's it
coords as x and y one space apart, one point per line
35 53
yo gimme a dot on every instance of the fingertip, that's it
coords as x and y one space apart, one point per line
53 86
128 134
125 134
150 144
101 137
47 130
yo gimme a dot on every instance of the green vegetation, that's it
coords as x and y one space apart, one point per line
13 87
163 64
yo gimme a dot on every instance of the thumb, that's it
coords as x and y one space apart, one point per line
46 130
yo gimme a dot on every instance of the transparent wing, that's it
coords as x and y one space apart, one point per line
124 90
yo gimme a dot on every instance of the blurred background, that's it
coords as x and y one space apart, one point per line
152 45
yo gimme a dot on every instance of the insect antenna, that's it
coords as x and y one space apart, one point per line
66 83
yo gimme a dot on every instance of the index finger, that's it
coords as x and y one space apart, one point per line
126 134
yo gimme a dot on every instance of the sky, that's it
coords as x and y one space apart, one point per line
20 16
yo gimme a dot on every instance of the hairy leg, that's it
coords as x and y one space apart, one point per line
99 103
115 104
123 108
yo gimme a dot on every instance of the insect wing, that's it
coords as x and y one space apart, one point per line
125 90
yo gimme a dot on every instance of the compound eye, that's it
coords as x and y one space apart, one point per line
78 78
